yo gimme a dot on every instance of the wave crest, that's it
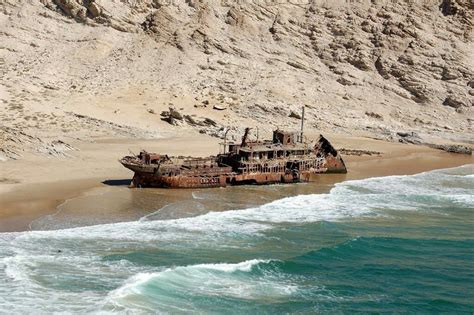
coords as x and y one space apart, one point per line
175 286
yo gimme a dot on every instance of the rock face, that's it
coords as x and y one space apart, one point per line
93 12
15 142
72 9
410 62
457 101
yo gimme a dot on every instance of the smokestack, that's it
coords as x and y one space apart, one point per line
302 124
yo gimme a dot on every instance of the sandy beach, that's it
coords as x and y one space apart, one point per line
90 186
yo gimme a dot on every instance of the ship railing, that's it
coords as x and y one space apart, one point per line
282 158
264 167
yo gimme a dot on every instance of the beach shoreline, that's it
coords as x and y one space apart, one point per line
28 194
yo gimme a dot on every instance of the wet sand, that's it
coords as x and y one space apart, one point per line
91 187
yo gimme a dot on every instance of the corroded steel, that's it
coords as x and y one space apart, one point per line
281 160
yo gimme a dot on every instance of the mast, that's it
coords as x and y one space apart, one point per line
225 138
302 124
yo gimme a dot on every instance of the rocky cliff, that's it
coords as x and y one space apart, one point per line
384 69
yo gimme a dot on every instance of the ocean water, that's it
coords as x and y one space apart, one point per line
388 244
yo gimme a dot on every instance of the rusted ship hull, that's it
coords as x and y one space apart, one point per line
179 181
148 180
225 177
184 181
281 160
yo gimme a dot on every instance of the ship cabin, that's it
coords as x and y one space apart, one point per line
283 145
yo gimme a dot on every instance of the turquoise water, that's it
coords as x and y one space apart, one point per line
389 244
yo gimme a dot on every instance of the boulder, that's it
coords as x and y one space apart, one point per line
219 107
409 137
454 148
73 9
172 116
374 115
190 120
94 10
175 114
345 81
457 101
294 115
209 122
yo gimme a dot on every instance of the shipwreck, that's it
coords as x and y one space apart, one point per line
287 158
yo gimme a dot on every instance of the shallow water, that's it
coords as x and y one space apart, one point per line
388 244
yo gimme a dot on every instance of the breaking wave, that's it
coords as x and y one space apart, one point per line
139 265
172 287
350 199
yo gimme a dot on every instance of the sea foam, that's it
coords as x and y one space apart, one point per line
38 264
350 199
